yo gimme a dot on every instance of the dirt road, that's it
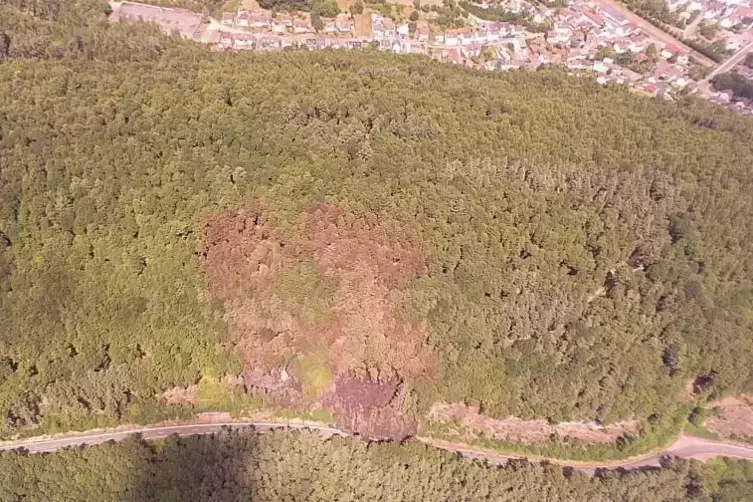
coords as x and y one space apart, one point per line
684 447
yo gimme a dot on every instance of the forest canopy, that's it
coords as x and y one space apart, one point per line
531 243
277 466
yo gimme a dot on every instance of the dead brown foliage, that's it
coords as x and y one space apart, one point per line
363 337
366 407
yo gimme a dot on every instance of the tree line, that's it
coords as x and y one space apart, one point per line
276 466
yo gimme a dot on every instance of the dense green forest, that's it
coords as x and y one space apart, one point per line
286 466
529 242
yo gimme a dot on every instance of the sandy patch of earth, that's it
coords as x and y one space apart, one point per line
180 395
735 419
514 429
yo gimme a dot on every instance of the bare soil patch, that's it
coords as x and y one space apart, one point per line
321 306
367 408
735 419
180 395
514 429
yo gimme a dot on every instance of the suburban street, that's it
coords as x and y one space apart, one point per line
655 31
730 62
684 447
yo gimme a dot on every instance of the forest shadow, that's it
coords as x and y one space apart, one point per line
604 471
210 467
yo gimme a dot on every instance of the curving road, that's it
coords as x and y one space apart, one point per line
685 447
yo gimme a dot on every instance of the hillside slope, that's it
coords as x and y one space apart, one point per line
361 232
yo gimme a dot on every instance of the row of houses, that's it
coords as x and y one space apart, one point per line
728 13
262 42
284 23
383 28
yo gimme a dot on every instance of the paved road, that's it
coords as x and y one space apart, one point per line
654 31
731 62
43 445
684 447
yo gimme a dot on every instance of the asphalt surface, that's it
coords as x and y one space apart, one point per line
685 447
45 445
731 62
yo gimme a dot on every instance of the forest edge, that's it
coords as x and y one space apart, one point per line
684 446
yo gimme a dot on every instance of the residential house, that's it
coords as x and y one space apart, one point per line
422 34
243 19
226 39
560 34
382 28
451 38
302 25
471 50
389 28
669 50
452 55
594 19
260 20
344 24
614 15
269 43
466 36
329 26
282 23
492 33
228 19
504 29
243 41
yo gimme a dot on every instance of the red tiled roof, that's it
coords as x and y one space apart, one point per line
594 17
